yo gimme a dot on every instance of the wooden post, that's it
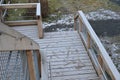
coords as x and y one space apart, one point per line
100 60
31 65
39 62
1 14
88 40
75 24
80 28
40 29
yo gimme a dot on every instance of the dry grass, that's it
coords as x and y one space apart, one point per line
85 5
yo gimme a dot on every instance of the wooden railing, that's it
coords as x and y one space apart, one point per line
38 21
20 57
102 62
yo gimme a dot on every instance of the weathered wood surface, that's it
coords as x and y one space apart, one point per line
19 5
93 40
10 39
64 54
21 22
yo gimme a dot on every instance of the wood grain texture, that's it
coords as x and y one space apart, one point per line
65 54
31 64
11 39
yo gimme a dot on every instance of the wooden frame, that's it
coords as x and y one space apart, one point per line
104 58
31 65
26 22
13 40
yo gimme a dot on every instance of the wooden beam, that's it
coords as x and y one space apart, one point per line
88 40
10 39
31 64
40 29
39 62
21 22
19 5
75 25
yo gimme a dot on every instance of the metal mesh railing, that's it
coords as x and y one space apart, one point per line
18 14
13 66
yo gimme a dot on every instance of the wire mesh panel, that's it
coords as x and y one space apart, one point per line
20 14
13 66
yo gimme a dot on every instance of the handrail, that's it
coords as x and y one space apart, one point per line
13 41
26 5
101 60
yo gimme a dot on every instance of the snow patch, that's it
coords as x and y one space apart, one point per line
65 19
103 14
100 14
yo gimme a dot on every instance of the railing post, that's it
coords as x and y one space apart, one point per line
75 24
1 14
40 29
80 25
31 65
88 40
39 62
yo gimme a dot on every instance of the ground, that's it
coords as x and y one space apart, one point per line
71 6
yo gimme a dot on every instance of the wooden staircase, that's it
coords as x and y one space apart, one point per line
67 55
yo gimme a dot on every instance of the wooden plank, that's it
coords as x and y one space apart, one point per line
13 40
79 78
64 44
54 46
69 73
31 65
52 53
74 61
19 5
72 69
67 56
70 58
21 22
62 49
73 77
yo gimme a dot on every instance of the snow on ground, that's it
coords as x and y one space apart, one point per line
113 49
100 14
65 19
103 14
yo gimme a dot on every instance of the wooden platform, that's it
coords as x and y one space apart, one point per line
66 57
